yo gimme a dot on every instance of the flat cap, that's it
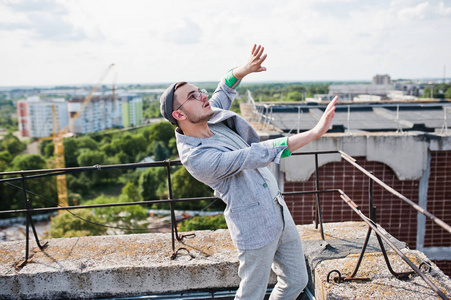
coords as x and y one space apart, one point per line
166 104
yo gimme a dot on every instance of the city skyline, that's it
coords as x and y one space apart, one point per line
56 42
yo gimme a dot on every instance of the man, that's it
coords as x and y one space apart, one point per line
220 149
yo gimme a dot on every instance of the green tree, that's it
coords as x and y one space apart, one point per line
3 165
160 152
448 93
109 149
79 184
43 144
86 142
7 110
44 187
127 218
12 144
91 158
6 157
172 145
153 184
203 223
112 175
71 152
432 92
48 150
130 145
186 186
151 109
83 224
295 96
132 192
162 131
28 162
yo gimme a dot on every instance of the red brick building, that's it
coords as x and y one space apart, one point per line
417 165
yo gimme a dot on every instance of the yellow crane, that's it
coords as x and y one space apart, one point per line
61 183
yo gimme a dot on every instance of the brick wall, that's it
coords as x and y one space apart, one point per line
439 199
396 216
444 265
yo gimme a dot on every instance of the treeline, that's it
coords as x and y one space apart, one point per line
156 141
290 91
438 91
7 112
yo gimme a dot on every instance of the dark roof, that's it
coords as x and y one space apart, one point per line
371 117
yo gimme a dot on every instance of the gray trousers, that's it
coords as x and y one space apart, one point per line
284 256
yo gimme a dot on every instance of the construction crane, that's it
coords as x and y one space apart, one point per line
61 183
58 135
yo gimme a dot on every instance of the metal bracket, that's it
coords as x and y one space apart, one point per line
340 279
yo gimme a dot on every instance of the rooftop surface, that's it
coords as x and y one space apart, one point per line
141 264
368 117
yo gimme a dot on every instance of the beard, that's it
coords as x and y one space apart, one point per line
198 118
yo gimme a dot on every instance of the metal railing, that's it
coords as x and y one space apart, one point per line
370 221
384 116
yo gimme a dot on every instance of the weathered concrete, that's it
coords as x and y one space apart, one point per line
125 265
408 164
340 252
140 264
383 285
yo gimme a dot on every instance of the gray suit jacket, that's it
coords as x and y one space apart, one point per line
233 173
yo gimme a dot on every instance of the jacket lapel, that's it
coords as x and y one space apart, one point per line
240 125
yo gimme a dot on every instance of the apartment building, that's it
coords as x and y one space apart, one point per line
132 109
35 116
381 79
101 112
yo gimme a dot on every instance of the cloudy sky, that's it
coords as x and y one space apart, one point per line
62 42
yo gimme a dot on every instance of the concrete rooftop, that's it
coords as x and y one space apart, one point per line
141 264
366 117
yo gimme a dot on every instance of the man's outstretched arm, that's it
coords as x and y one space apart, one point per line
225 93
301 139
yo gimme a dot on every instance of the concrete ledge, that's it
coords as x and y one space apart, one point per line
341 251
382 284
127 265
141 264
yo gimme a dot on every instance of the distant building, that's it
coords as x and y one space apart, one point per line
347 92
367 98
381 79
132 109
104 112
101 113
381 88
35 116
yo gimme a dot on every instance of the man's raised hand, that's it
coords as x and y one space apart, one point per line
254 63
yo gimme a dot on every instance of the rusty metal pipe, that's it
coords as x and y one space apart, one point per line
411 264
396 193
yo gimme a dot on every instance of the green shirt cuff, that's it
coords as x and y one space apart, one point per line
283 141
231 81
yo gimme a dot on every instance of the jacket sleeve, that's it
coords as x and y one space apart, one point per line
225 93
210 164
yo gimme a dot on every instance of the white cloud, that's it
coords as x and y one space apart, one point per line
443 10
418 12
188 33
69 42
